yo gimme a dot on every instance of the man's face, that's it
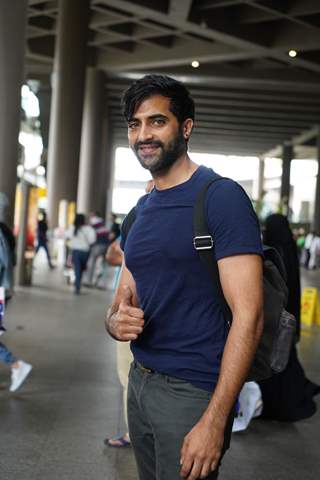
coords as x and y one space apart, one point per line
155 135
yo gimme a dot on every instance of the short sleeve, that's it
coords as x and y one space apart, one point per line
232 220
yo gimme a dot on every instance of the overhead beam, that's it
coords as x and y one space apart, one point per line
180 10
225 38
182 53
298 140
305 137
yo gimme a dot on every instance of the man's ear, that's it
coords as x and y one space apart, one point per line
187 128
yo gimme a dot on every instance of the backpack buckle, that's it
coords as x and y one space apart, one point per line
203 242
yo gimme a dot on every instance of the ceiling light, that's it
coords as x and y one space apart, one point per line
292 53
195 64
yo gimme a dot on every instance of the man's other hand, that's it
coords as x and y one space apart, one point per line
201 450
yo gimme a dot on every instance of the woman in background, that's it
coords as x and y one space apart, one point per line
81 237
288 396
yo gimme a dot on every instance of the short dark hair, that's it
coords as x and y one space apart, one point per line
181 102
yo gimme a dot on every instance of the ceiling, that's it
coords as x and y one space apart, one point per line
250 94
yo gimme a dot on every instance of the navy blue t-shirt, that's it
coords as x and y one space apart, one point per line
185 332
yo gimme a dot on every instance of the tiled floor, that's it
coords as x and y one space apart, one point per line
53 428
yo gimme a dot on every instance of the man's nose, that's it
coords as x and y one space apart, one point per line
145 133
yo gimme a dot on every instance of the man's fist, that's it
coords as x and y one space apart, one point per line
127 323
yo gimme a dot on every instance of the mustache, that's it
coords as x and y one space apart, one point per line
152 143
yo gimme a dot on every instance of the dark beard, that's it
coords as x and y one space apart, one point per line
167 157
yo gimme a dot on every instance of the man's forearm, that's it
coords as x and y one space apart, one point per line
237 358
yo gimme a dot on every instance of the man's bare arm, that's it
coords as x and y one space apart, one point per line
241 280
242 284
114 254
125 320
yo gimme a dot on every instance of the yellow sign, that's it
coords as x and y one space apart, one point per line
318 313
309 306
71 212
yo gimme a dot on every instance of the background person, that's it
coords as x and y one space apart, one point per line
287 396
115 228
314 261
42 238
19 369
82 237
98 249
307 245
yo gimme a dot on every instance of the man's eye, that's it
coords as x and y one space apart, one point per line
132 125
159 121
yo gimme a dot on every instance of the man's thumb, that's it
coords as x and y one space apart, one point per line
126 295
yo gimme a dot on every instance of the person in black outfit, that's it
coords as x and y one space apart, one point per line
115 228
42 240
288 396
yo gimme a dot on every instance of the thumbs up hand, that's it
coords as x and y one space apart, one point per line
126 296
127 323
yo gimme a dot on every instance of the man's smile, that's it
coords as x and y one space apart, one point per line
148 149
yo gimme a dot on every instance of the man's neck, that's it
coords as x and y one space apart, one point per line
179 173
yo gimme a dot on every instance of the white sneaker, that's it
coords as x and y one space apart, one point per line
18 375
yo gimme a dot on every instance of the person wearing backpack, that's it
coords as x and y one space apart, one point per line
188 366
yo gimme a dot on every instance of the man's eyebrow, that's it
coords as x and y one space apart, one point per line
158 115
152 117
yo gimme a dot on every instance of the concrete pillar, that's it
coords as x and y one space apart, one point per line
258 182
106 158
22 236
67 104
287 154
90 171
44 97
316 216
12 51
110 180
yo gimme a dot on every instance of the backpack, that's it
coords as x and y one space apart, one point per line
279 329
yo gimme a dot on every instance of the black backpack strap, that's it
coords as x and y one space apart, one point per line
128 222
204 243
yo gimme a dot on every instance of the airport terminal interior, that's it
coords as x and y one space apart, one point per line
253 69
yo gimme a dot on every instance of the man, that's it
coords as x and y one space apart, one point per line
187 372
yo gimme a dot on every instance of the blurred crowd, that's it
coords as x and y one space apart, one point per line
308 245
